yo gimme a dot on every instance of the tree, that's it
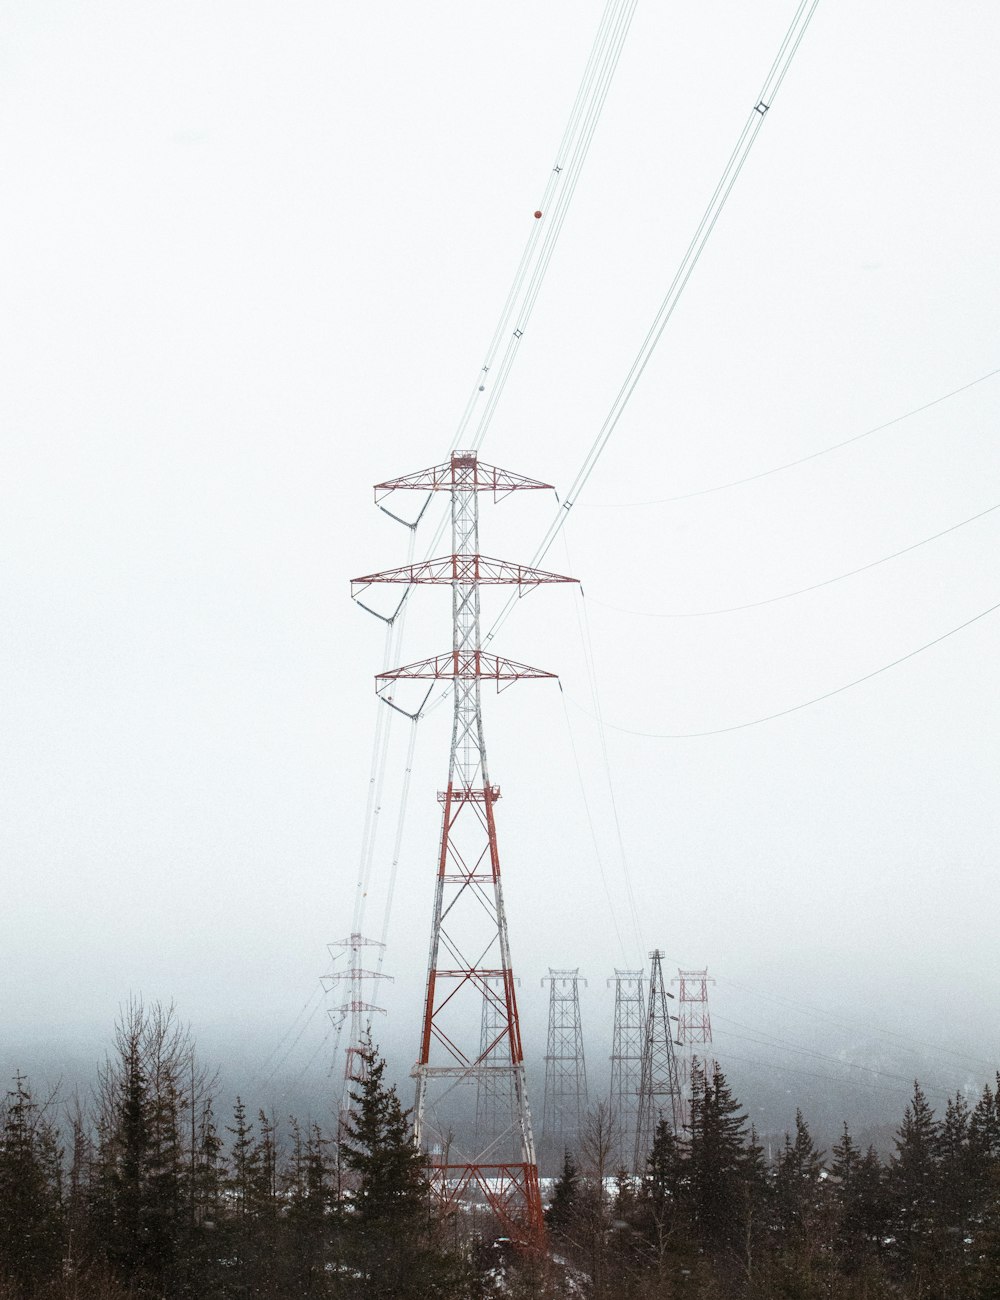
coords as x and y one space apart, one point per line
661 1204
564 1206
797 1179
142 1190
715 1162
306 1225
388 1231
914 1188
30 1192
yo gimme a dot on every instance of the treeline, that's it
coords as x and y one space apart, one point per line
146 1192
712 1218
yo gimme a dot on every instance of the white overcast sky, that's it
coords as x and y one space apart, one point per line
251 256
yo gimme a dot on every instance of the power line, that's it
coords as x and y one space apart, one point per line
795 708
770 1068
791 464
800 591
800 1049
813 1012
583 626
689 261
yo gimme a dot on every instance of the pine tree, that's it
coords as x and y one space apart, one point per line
914 1188
846 1173
715 1162
797 1179
565 1204
141 1190
661 1205
306 1223
756 1212
956 1176
30 1192
388 1230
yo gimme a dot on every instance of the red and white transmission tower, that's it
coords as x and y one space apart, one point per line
694 1031
469 959
356 1007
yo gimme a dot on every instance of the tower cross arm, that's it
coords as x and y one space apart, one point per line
464 471
462 568
464 665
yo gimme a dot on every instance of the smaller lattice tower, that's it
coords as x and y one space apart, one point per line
626 1063
694 1031
659 1086
356 1011
494 1091
565 1068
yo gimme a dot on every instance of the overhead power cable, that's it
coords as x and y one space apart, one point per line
574 148
791 464
795 708
801 1049
546 227
770 88
799 591
771 1069
902 1042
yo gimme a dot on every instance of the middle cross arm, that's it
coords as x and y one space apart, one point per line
462 568
464 665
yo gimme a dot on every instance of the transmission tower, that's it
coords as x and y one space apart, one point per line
694 1031
626 1063
356 1008
565 1067
469 961
494 1095
659 1087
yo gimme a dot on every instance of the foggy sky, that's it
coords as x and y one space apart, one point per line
252 255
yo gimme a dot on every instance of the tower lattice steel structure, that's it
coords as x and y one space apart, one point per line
356 1008
659 1086
694 1031
626 1063
469 961
494 1090
565 1066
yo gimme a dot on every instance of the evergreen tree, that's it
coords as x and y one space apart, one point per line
306 1223
984 1130
716 1158
756 1212
564 1207
797 1179
389 1245
30 1192
957 1184
141 1190
661 1206
914 1189
846 1171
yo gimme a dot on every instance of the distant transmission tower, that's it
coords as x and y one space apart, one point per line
694 1031
356 1009
469 960
659 1086
626 1063
494 1090
565 1068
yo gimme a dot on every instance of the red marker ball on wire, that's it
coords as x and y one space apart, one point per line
538 214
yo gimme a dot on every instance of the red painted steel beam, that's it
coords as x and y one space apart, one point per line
446 569
464 471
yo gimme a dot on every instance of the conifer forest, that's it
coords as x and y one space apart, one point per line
146 1189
